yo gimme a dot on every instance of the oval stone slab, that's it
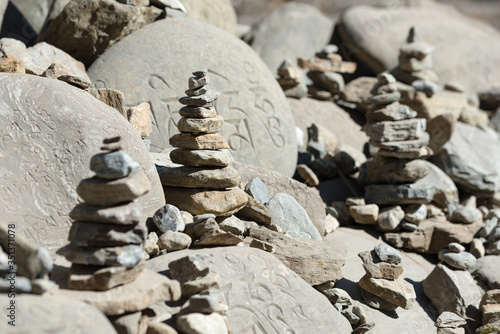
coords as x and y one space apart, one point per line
259 126
49 131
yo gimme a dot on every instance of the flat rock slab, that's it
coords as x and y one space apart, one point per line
262 294
315 261
377 33
259 127
387 194
53 314
200 177
196 158
59 128
147 289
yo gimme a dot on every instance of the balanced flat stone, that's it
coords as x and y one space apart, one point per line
200 177
396 130
388 194
113 165
259 127
398 292
403 145
197 158
127 214
390 170
95 191
89 234
201 125
243 270
126 256
219 202
82 277
198 112
211 141
205 100
147 289
72 132
392 112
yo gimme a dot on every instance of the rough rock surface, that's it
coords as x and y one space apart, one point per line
217 12
487 271
288 32
375 34
258 126
59 128
253 281
85 29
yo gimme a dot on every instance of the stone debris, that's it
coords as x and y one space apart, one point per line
106 246
324 69
382 287
206 183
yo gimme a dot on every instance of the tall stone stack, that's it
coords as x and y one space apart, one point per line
382 287
107 234
206 183
415 61
400 140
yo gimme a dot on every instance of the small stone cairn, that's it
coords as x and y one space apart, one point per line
456 257
290 80
400 139
324 69
107 236
381 287
205 183
415 61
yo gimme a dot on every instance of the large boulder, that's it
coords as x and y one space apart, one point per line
290 31
375 34
467 158
262 294
85 29
259 127
49 130
220 13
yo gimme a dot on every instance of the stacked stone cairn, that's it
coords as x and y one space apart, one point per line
108 234
400 140
382 287
415 61
206 183
290 80
324 69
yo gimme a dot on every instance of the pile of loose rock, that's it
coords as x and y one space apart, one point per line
325 70
107 237
381 287
206 183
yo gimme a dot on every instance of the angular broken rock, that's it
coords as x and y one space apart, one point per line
376 268
399 292
113 165
462 260
173 241
389 218
377 302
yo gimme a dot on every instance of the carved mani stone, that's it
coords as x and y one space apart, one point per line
258 127
48 132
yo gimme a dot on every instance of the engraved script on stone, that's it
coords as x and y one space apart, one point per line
259 126
48 132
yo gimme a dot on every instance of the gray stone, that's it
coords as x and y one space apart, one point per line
241 269
383 194
337 296
96 191
196 158
261 130
201 285
396 130
387 253
127 214
205 100
210 141
105 23
200 125
201 218
377 302
40 286
453 291
127 256
233 225
198 112
189 267
451 58
329 81
415 213
471 166
376 268
463 260
169 218
198 323
73 132
392 171
200 177
90 234
398 292
403 145
287 32
389 218
384 99
173 241
466 215
257 189
49 314
456 247
204 303
449 320
113 165
477 248
291 217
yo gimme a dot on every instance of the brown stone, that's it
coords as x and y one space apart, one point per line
127 214
200 142
198 201
59 72
148 288
218 238
377 302
398 292
196 158
440 129
127 256
255 211
173 241
10 64
198 112
201 125
95 191
140 118
111 97
82 277
391 170
308 175
379 269
200 177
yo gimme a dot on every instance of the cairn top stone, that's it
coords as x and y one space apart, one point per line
259 126
59 128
